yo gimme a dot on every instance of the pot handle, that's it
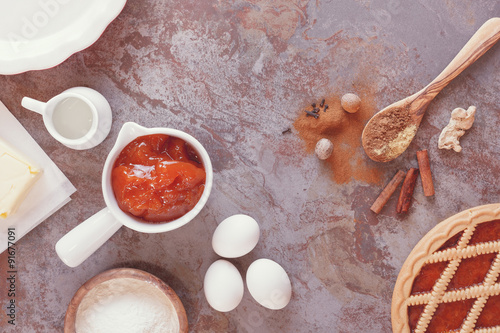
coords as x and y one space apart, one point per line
78 244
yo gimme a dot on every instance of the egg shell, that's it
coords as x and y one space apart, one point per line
236 236
223 286
269 284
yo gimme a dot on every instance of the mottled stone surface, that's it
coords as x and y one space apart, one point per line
235 74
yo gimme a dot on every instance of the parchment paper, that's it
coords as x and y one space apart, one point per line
51 191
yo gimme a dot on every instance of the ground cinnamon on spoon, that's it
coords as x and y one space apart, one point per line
390 137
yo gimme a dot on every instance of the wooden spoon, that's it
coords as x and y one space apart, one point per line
390 131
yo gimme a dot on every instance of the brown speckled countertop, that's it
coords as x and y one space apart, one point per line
235 74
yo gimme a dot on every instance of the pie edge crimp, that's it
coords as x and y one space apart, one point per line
432 241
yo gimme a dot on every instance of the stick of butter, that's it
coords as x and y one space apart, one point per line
17 176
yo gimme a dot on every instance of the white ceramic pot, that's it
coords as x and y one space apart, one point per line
87 237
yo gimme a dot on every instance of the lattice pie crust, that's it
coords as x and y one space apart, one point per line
425 253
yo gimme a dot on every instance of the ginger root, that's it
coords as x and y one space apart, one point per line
460 121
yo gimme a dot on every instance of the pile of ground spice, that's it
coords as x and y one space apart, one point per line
343 129
391 136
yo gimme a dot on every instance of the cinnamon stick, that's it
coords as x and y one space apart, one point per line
425 172
387 192
406 194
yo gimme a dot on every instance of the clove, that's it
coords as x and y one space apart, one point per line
311 114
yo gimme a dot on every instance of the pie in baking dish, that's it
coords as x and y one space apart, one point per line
450 281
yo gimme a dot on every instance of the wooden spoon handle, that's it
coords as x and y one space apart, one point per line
484 38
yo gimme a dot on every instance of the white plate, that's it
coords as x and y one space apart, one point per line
39 34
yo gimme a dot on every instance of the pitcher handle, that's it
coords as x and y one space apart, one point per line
78 244
33 105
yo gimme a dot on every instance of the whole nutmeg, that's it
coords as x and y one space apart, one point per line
350 102
324 149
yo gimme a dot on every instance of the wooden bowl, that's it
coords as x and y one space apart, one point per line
71 313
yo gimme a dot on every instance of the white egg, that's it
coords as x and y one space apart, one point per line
223 286
235 236
269 284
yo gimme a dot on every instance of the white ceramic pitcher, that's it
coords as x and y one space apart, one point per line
79 118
